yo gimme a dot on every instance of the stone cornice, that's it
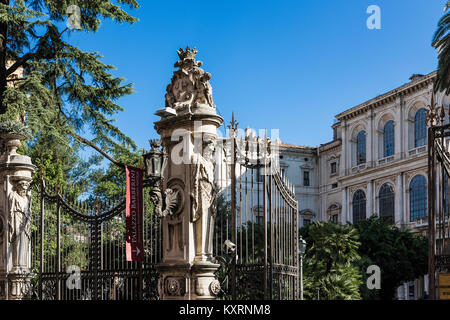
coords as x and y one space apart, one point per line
187 120
385 168
295 148
334 145
388 97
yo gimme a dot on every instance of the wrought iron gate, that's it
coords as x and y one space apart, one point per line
78 249
438 193
258 212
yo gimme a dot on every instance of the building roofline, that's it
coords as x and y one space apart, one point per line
387 97
293 146
331 144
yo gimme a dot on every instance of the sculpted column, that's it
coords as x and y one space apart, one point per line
188 129
15 219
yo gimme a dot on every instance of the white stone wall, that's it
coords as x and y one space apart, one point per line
294 161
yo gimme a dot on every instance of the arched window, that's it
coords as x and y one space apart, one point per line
417 198
388 138
359 206
386 202
420 128
361 147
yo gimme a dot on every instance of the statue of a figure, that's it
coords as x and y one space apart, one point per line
189 87
203 198
204 90
19 220
203 190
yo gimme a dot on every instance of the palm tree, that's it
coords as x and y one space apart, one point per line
330 261
441 41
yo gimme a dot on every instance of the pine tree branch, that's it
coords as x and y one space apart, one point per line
92 145
15 79
16 65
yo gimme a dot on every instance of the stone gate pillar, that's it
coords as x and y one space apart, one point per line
15 219
188 129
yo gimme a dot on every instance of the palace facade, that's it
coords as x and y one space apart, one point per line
375 164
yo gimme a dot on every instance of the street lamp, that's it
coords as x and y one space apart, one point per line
154 162
301 252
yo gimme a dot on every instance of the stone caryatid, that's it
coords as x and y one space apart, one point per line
203 188
15 218
203 196
19 223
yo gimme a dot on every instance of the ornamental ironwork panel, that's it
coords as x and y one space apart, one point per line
258 213
78 249
437 120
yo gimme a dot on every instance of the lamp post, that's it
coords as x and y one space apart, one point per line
301 252
154 162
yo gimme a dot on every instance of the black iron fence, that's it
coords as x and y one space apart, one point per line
258 213
438 193
78 249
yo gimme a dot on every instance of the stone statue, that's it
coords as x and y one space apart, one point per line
19 221
203 190
189 87
203 201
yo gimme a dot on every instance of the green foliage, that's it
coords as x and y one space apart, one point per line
401 255
14 126
441 40
58 90
109 183
329 262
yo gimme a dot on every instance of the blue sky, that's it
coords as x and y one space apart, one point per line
288 65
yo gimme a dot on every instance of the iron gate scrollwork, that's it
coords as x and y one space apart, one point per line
438 192
258 212
78 249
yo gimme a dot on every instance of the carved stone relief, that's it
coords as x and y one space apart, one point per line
189 87
214 287
175 286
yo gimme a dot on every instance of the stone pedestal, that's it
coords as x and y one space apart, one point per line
18 286
188 129
188 281
15 219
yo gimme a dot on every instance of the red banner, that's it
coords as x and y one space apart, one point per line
134 214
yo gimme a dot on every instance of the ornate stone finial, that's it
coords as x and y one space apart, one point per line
189 91
187 54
